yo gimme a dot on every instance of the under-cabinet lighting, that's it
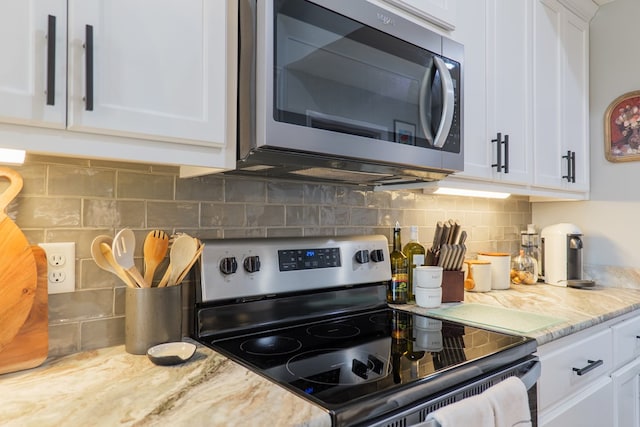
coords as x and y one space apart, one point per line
470 193
9 155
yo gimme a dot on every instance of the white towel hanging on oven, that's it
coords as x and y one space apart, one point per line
510 403
505 404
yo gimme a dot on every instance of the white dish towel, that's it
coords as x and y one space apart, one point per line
506 404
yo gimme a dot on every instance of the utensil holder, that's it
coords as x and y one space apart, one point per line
152 316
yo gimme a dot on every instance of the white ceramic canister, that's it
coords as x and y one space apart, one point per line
477 275
500 268
427 276
428 297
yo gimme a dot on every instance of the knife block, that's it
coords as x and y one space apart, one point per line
452 286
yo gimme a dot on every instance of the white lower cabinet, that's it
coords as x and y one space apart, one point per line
626 395
626 375
592 378
593 407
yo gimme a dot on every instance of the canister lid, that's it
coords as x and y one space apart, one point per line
493 254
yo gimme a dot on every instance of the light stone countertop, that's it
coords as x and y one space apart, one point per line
110 387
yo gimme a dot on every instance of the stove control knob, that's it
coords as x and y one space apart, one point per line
252 264
377 255
228 265
362 256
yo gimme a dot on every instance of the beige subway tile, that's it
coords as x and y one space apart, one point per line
200 188
364 217
93 277
113 213
302 216
244 190
101 333
381 199
334 215
236 233
285 192
324 194
80 305
34 179
130 166
319 231
350 196
415 217
64 339
174 214
389 217
82 236
133 185
222 215
56 160
265 215
44 212
284 232
79 181
403 199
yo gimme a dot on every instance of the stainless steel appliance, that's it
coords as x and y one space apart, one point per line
562 253
347 91
310 315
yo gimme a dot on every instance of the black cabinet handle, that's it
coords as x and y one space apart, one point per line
498 163
571 166
51 60
89 67
592 364
506 154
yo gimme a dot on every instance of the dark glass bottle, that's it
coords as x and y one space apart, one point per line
398 289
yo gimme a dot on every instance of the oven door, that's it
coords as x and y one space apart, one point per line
528 370
351 80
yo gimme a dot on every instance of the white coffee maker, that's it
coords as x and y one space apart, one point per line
561 253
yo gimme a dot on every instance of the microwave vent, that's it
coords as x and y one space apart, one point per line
355 177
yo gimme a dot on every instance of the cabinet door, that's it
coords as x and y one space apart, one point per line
626 395
472 33
561 97
28 67
576 97
509 84
592 407
158 70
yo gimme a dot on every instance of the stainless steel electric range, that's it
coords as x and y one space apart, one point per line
310 314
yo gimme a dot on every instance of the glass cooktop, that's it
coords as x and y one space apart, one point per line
339 361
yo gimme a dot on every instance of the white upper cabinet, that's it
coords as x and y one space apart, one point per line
497 92
154 72
561 134
439 12
526 77
134 79
33 48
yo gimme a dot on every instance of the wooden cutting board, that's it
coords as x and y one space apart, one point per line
18 272
30 347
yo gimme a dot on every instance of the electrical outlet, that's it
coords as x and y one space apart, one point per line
61 266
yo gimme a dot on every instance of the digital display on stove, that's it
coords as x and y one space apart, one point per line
307 259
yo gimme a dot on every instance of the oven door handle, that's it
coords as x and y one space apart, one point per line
448 103
530 378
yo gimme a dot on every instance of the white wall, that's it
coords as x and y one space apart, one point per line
611 220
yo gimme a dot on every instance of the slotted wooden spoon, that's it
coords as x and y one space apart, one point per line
154 250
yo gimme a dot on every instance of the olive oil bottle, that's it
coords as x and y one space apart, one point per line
414 252
397 291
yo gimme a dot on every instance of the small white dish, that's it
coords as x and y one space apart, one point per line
171 353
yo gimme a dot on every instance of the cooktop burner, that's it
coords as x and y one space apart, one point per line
271 346
334 330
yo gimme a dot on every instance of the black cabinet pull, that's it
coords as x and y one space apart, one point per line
592 364
573 166
570 169
498 163
89 67
506 154
51 60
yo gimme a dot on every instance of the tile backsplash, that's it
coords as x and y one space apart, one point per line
74 200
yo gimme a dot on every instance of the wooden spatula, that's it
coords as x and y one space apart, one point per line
154 250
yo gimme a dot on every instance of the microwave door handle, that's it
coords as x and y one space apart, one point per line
424 103
448 103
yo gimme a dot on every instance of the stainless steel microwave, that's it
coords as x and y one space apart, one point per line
347 91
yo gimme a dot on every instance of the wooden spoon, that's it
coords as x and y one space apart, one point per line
123 247
183 250
103 257
154 250
469 282
193 261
